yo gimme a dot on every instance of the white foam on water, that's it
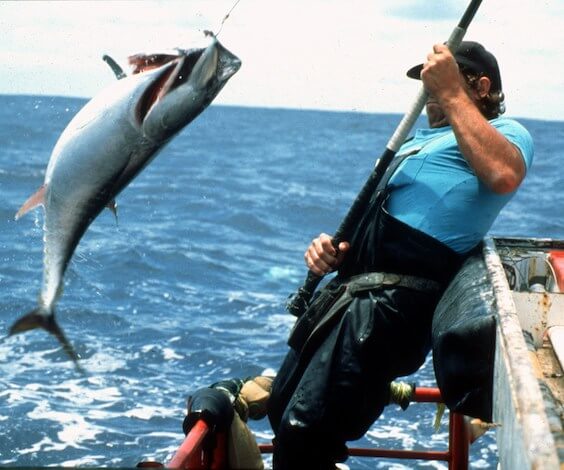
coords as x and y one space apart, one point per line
75 428
103 362
18 358
284 273
169 435
170 354
89 460
17 394
167 353
45 444
77 432
393 466
79 394
386 432
147 412
435 464
148 347
279 321
233 296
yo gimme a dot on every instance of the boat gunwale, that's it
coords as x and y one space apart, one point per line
514 374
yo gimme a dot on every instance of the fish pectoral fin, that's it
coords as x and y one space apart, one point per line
39 318
112 205
37 199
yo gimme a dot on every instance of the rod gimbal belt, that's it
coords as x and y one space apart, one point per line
332 301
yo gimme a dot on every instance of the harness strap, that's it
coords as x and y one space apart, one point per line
369 281
338 294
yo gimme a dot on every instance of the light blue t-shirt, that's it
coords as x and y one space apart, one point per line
437 192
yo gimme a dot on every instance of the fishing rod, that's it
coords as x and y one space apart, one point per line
299 301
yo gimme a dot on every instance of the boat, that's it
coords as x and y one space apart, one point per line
498 348
527 278
519 284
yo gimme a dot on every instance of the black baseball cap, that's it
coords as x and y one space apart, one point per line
474 57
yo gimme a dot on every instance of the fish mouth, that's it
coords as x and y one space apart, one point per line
229 64
176 70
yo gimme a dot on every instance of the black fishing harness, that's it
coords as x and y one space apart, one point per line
402 255
326 308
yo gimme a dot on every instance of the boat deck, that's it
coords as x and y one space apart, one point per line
550 370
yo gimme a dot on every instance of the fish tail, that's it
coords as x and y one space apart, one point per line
45 319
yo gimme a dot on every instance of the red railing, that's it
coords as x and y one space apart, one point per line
190 452
190 455
458 445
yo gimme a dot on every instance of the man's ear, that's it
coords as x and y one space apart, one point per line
484 85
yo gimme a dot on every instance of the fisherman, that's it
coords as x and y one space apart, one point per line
436 208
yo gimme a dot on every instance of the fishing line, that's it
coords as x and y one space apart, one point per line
226 16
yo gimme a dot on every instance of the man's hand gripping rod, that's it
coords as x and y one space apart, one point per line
299 301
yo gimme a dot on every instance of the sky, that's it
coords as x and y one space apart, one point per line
309 54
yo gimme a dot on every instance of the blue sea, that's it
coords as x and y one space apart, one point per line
188 286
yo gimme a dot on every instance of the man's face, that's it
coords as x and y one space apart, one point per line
435 114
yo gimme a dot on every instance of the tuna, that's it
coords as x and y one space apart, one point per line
109 141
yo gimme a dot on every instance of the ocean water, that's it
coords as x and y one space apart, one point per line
188 286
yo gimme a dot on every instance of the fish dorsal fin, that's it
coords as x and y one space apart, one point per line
118 71
37 199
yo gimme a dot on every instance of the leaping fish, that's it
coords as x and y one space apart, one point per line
109 141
